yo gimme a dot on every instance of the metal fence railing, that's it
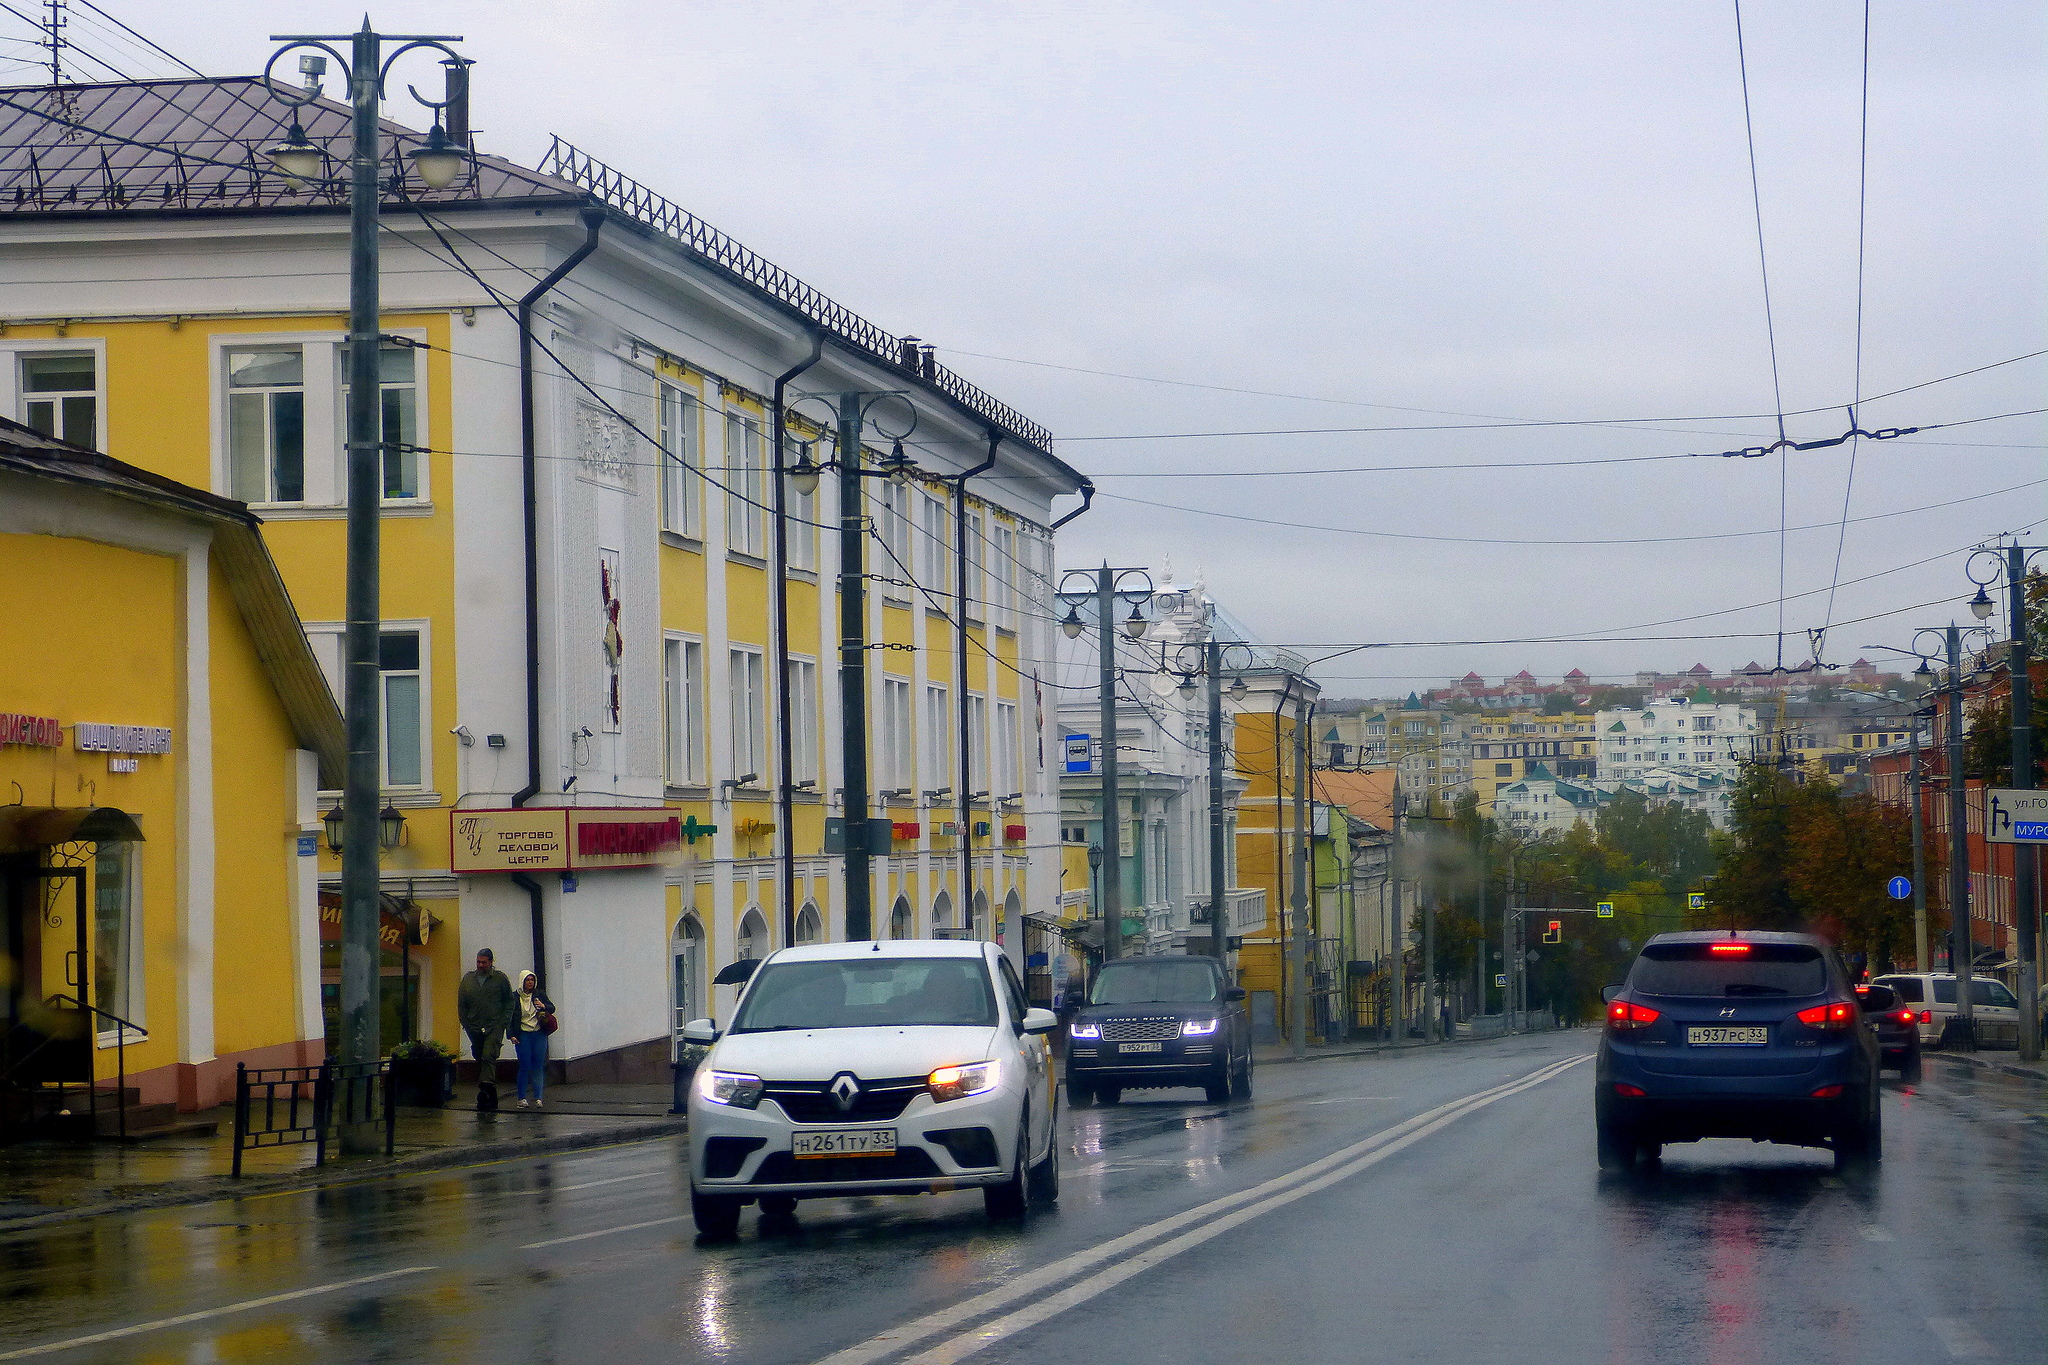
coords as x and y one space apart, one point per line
283 1106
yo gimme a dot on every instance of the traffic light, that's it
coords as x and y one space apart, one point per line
1555 933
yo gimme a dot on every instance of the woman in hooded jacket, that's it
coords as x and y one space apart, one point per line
530 1029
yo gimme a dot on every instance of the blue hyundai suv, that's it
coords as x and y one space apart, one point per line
1746 1034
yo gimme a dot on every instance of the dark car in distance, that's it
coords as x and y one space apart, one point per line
1152 1022
1748 1034
1898 1030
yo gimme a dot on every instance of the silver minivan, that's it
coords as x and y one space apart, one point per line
1932 995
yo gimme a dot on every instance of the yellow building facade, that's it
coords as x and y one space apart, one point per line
163 730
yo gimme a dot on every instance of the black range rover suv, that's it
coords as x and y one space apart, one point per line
1153 1022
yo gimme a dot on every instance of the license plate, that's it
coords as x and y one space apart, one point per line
1724 1037
844 1142
1141 1047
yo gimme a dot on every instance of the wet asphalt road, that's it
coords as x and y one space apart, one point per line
1437 1206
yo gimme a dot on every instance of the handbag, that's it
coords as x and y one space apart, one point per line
548 1023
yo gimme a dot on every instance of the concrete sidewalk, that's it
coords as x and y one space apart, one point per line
2006 1064
49 1181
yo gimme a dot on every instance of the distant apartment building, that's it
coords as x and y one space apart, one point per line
1696 737
1429 749
1507 748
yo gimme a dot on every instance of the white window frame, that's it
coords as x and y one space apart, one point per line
326 638
977 560
747 710
898 734
682 692
14 399
896 535
938 546
680 419
419 417
744 476
938 738
978 766
803 719
1006 742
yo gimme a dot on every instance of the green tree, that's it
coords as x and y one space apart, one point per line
1752 888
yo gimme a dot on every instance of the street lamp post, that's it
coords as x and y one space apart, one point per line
1106 590
2012 562
1206 661
437 163
1962 939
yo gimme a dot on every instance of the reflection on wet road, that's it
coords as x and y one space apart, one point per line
1423 1207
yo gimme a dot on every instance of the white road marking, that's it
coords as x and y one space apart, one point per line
1272 1193
1353 1099
246 1305
602 1232
1960 1339
593 1184
1873 1233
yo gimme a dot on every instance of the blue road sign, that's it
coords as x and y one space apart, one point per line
1077 750
1898 888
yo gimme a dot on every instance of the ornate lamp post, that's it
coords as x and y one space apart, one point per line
1106 587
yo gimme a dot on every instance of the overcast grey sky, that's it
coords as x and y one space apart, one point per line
1532 211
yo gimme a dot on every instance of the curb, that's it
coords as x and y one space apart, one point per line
2025 1073
209 1189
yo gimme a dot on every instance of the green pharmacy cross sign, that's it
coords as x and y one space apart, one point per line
694 829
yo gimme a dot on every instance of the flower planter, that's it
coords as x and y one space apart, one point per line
422 1082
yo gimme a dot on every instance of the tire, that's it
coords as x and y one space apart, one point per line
1217 1088
1045 1176
1010 1201
1108 1094
778 1205
1860 1145
1909 1070
1617 1147
1241 1084
717 1215
1079 1093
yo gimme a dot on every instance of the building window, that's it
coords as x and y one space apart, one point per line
743 477
754 942
896 734
748 713
896 536
1001 593
810 925
803 720
398 394
978 741
1006 742
682 680
1503 770
60 397
267 424
686 952
802 520
401 682
938 738
975 588
679 461
938 558
116 981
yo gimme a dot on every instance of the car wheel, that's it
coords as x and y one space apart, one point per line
1909 1069
1617 1146
1079 1093
1861 1143
717 1215
1045 1176
1108 1094
778 1205
1011 1200
1217 1088
1241 1084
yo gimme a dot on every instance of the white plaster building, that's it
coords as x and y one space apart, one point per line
1696 737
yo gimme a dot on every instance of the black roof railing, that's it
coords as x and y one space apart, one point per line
567 162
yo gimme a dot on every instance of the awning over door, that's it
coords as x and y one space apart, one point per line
27 827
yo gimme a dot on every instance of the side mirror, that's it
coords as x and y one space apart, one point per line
1038 1021
1234 994
736 973
1607 993
1877 999
702 1032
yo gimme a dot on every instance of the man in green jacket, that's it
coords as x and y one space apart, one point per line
485 1006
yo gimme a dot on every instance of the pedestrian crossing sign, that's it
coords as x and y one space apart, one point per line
1605 909
1696 901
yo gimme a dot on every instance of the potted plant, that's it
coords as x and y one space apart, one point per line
422 1073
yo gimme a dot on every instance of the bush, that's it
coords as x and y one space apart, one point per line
422 1049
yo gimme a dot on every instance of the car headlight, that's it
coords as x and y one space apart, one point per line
1197 1028
730 1087
958 1082
1085 1031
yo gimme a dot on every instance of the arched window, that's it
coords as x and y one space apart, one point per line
1013 913
982 929
686 959
754 942
810 926
942 915
899 919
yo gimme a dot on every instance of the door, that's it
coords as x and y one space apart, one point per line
45 1037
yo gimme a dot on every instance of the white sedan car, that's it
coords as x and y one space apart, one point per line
904 1067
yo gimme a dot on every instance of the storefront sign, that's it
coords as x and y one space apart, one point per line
42 731
578 838
120 739
391 930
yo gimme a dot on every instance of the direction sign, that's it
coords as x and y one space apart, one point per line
2016 817
1898 888
1604 909
1696 901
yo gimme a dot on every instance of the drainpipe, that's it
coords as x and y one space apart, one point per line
593 220
1087 500
963 781
785 801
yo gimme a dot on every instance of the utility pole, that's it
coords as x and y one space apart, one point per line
1915 780
963 779
1961 939
1112 799
1219 863
1303 866
853 670
1433 1014
2025 857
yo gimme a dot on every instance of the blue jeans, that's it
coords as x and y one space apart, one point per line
533 1062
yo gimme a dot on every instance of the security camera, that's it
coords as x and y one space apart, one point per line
462 733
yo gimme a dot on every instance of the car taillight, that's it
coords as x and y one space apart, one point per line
1839 1015
1626 1014
1828 1092
1634 1092
1904 1016
1926 1016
